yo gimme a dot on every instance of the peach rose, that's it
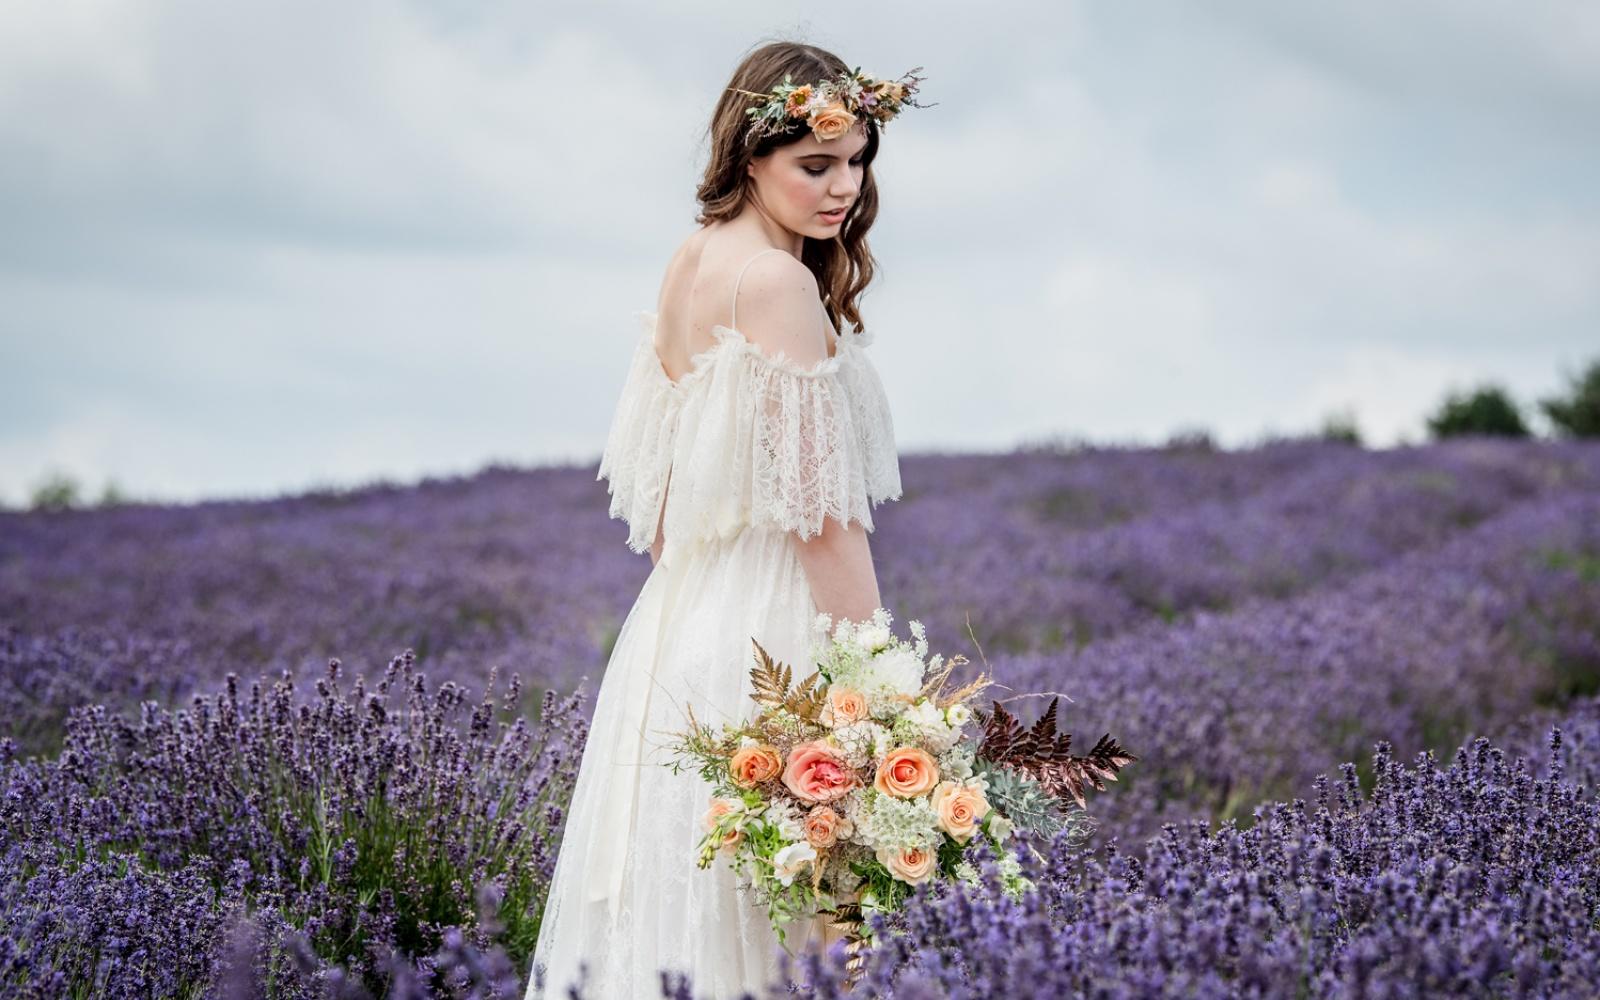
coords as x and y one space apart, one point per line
906 772
913 864
823 826
959 807
721 807
751 766
844 706
832 121
816 774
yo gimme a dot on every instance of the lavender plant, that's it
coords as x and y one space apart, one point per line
368 821
1475 880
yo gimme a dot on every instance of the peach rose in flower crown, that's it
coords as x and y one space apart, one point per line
844 706
752 765
831 122
906 772
912 864
721 807
816 774
959 808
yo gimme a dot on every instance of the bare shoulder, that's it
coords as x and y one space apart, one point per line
779 308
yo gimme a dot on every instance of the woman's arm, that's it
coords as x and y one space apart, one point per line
838 565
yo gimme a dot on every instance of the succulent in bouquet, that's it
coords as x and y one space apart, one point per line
848 789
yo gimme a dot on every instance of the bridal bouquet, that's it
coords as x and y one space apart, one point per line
847 790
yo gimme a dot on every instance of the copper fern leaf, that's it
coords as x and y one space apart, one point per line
770 682
1047 754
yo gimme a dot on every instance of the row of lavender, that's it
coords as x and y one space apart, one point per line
1431 593
1478 879
1038 550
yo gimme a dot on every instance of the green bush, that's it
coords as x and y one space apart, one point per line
1578 415
56 491
1341 427
1487 409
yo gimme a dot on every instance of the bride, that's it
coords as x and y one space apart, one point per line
750 443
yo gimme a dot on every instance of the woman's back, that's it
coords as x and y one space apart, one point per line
717 268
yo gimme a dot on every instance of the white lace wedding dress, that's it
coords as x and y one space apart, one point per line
744 449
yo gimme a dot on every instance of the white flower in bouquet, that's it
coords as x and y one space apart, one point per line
924 723
898 670
783 814
861 743
894 824
873 638
792 860
957 764
958 715
1000 827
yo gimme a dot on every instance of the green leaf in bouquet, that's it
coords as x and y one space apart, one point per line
1019 797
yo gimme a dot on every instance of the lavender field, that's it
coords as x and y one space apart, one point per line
319 746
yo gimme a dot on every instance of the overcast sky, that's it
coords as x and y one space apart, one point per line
251 247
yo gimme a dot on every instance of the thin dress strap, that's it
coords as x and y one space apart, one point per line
734 322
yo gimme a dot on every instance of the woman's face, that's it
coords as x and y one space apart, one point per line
795 184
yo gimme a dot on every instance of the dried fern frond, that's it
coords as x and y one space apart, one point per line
769 679
806 701
1047 754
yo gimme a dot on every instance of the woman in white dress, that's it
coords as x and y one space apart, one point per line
750 443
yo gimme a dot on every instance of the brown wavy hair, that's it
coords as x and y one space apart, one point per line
843 264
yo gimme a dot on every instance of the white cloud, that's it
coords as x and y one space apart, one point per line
249 246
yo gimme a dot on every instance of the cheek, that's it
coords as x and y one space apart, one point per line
801 188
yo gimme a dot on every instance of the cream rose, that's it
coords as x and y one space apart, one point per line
912 864
844 706
831 122
721 807
906 772
752 765
823 827
959 807
816 773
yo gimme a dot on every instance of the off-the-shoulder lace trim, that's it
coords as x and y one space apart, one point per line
727 338
767 440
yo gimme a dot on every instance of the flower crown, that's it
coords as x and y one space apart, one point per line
830 106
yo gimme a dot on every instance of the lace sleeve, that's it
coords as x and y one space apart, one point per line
638 448
778 444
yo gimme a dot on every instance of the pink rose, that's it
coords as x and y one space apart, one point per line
816 774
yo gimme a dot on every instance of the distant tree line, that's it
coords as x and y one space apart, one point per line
1489 409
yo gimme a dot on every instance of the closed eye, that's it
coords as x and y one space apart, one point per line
818 172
